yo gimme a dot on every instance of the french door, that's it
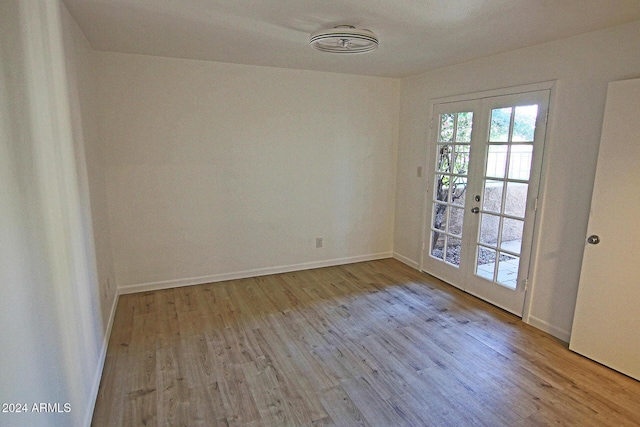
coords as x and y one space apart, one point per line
483 194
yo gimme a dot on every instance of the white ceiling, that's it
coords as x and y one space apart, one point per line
415 36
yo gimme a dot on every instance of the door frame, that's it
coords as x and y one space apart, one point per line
427 180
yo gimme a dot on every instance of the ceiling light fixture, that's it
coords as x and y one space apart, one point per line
344 39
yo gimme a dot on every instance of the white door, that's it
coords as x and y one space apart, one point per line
606 325
483 190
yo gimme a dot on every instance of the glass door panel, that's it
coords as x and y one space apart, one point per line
508 187
506 184
450 185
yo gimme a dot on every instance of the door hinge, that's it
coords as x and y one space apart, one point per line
535 205
526 284
546 117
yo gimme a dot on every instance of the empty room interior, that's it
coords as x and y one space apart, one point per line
298 213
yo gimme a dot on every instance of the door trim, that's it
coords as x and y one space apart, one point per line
549 85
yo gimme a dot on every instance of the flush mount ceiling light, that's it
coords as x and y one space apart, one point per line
344 39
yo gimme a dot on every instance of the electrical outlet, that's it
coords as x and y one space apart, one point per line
318 242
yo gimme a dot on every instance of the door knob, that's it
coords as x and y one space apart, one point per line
593 239
475 210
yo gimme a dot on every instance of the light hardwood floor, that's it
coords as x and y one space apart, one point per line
373 343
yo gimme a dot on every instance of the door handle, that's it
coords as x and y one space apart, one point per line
475 210
593 240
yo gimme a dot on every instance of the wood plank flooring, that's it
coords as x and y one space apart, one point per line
371 344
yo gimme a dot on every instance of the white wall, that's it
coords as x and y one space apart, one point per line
89 160
53 335
96 295
30 354
582 66
218 170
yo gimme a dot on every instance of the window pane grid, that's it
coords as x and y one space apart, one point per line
452 167
505 188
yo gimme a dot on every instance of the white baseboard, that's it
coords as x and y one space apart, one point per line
406 260
166 284
561 334
102 358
